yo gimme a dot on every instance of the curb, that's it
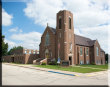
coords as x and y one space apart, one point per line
43 70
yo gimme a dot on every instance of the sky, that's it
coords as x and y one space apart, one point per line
24 21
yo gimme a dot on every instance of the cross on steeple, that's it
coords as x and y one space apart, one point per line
47 24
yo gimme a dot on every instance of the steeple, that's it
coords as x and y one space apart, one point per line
65 36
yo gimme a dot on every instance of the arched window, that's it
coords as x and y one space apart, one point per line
70 46
47 39
60 23
87 51
69 23
81 51
97 51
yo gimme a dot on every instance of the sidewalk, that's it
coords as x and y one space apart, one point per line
89 67
59 71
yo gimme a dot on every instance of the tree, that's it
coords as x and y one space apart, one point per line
14 48
4 47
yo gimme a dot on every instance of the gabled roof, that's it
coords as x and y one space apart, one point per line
102 50
79 40
52 29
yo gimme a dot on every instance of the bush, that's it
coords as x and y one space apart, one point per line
53 63
50 63
93 63
43 64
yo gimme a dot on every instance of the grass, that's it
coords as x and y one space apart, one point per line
70 68
81 69
96 66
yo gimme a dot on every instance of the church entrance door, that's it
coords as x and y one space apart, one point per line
46 53
70 59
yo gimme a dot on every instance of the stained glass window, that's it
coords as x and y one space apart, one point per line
47 39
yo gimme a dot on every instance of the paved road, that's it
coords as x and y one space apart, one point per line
14 75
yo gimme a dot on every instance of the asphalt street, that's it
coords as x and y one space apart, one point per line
15 75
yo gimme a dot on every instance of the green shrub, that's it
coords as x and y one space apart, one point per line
43 64
53 63
93 63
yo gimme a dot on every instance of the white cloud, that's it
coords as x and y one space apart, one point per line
87 14
6 18
29 40
11 44
100 33
13 29
82 10
35 10
20 30
90 19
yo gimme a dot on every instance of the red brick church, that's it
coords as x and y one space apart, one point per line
62 43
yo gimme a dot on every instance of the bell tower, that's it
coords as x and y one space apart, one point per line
65 36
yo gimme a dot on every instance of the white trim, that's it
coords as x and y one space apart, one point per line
70 54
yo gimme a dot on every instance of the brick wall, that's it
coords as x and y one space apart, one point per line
23 58
50 47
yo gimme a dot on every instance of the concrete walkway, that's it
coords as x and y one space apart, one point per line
59 71
90 67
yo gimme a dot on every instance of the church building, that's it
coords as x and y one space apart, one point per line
61 43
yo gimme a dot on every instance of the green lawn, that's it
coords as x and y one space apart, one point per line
96 66
81 69
70 68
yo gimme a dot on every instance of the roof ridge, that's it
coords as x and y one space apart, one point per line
52 29
83 37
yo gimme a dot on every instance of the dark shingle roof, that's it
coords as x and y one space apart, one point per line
52 29
102 50
79 40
